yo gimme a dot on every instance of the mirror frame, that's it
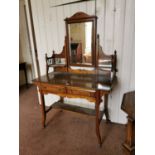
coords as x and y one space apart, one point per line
80 17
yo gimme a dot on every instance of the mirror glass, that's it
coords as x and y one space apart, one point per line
80 43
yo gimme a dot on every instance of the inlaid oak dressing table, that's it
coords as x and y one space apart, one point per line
95 77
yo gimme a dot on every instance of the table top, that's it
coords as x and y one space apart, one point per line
88 81
128 103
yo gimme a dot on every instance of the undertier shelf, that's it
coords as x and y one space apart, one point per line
78 109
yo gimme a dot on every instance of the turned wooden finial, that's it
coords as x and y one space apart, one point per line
53 52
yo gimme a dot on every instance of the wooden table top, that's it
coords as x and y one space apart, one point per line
88 81
128 103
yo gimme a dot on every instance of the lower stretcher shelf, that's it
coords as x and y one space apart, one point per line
78 109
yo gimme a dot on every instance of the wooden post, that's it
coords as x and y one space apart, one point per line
130 135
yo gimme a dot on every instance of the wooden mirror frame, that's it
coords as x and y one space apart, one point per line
80 17
99 58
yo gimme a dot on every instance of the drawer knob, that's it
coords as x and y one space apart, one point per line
67 83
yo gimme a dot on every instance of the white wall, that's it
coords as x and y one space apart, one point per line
116 30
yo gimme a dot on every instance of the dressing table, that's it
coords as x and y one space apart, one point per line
81 70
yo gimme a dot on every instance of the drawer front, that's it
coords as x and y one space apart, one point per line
53 88
80 92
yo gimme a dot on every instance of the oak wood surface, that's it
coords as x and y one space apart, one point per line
87 81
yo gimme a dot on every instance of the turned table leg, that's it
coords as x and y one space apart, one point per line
43 109
97 117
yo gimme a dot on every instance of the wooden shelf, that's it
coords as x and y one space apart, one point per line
60 105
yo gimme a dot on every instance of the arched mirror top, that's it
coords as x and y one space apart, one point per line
80 16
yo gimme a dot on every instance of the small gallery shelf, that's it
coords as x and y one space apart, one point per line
57 65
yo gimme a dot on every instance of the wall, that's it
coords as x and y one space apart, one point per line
116 29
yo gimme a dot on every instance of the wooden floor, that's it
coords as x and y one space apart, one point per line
66 133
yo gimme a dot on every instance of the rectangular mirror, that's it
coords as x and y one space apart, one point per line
80 43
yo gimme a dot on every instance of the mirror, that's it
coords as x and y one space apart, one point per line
80 43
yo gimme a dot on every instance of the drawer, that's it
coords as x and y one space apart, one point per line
81 92
53 88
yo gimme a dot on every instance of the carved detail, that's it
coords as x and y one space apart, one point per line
62 54
102 56
80 15
51 61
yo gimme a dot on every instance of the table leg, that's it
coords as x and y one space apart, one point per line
97 117
130 135
43 109
62 101
106 108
